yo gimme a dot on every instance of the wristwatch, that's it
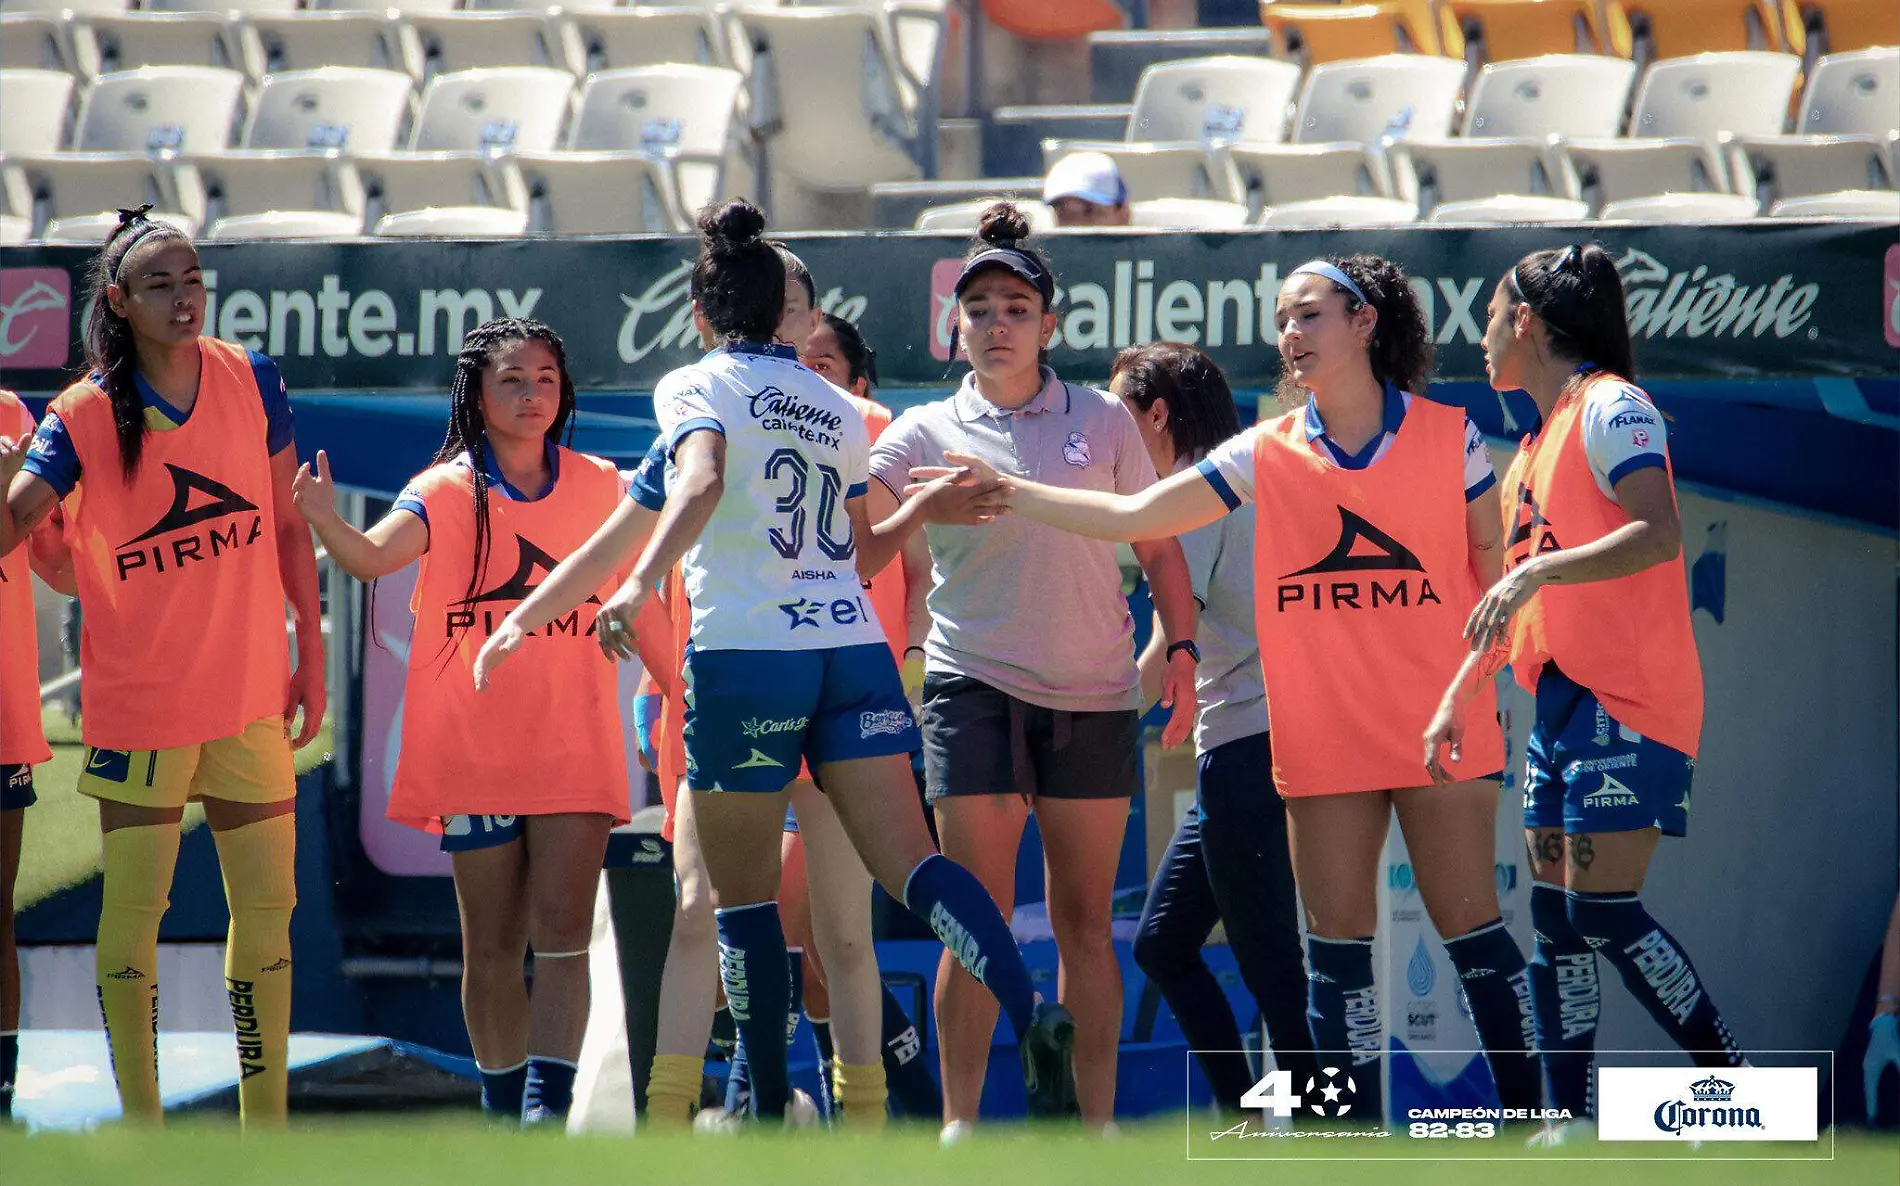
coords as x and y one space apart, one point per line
1186 644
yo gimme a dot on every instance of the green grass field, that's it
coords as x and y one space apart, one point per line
61 845
430 1151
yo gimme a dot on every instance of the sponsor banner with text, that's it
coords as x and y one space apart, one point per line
1696 1104
1724 302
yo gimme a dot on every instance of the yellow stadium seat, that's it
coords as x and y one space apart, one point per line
1339 32
1512 29
1851 25
1055 20
1680 27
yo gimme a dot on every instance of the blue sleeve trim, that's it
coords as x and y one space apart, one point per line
687 427
1219 483
279 426
1474 493
647 494
1640 461
51 457
857 490
413 506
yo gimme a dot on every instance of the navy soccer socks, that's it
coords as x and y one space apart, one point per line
1497 986
1657 972
1566 1000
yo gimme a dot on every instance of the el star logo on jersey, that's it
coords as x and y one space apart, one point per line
196 502
532 562
1362 548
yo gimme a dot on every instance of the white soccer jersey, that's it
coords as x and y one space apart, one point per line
776 568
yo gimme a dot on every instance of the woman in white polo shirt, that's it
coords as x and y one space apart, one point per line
1031 692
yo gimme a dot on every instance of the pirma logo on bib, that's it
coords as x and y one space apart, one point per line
35 317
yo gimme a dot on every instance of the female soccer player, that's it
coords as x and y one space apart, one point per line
525 826
174 456
1594 617
22 740
786 662
1032 688
1376 530
1228 861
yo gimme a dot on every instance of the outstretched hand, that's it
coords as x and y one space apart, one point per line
967 492
312 492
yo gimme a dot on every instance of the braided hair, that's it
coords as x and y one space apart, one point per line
111 352
1578 295
468 428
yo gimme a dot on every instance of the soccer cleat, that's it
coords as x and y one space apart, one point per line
1048 1051
957 1132
544 1118
801 1111
717 1122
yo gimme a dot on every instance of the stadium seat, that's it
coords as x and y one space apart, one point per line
1316 33
454 223
1853 203
1844 26
620 38
598 193
1512 208
506 109
125 41
412 7
963 216
1054 20
1681 107
1501 30
1844 132
32 41
245 7
1214 99
1343 210
247 183
455 41
93 228
71 187
1678 28
1188 214
1682 208
403 182
827 98
339 107
285 224
79 7
159 109
1346 111
275 42
1150 171
1514 110
38 105
687 118
15 230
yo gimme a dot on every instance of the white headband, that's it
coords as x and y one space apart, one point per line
1320 267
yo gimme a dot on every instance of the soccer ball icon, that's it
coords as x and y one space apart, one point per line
1334 1099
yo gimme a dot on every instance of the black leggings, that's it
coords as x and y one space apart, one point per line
1229 863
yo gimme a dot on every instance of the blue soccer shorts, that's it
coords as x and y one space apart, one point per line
1586 772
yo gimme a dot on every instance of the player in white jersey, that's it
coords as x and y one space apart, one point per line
786 660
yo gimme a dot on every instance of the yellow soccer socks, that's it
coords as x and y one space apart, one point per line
673 1089
260 882
137 890
858 1094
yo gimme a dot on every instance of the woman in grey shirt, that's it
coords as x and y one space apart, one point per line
1031 694
1228 861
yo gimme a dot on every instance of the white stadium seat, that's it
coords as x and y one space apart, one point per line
620 38
1514 109
93 228
1150 171
1681 108
243 183
963 217
1843 139
829 98
1860 203
55 7
246 7
128 40
69 188
15 230
1345 210
455 41
510 109
160 109
335 107
275 42
38 106
1682 208
686 117
32 41
285 224
1275 174
1188 214
598 193
1214 99
1512 208
401 182
454 223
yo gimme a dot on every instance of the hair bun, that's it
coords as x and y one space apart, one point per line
1002 225
734 224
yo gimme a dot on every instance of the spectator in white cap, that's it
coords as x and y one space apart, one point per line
1086 189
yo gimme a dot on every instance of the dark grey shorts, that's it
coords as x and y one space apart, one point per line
982 741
